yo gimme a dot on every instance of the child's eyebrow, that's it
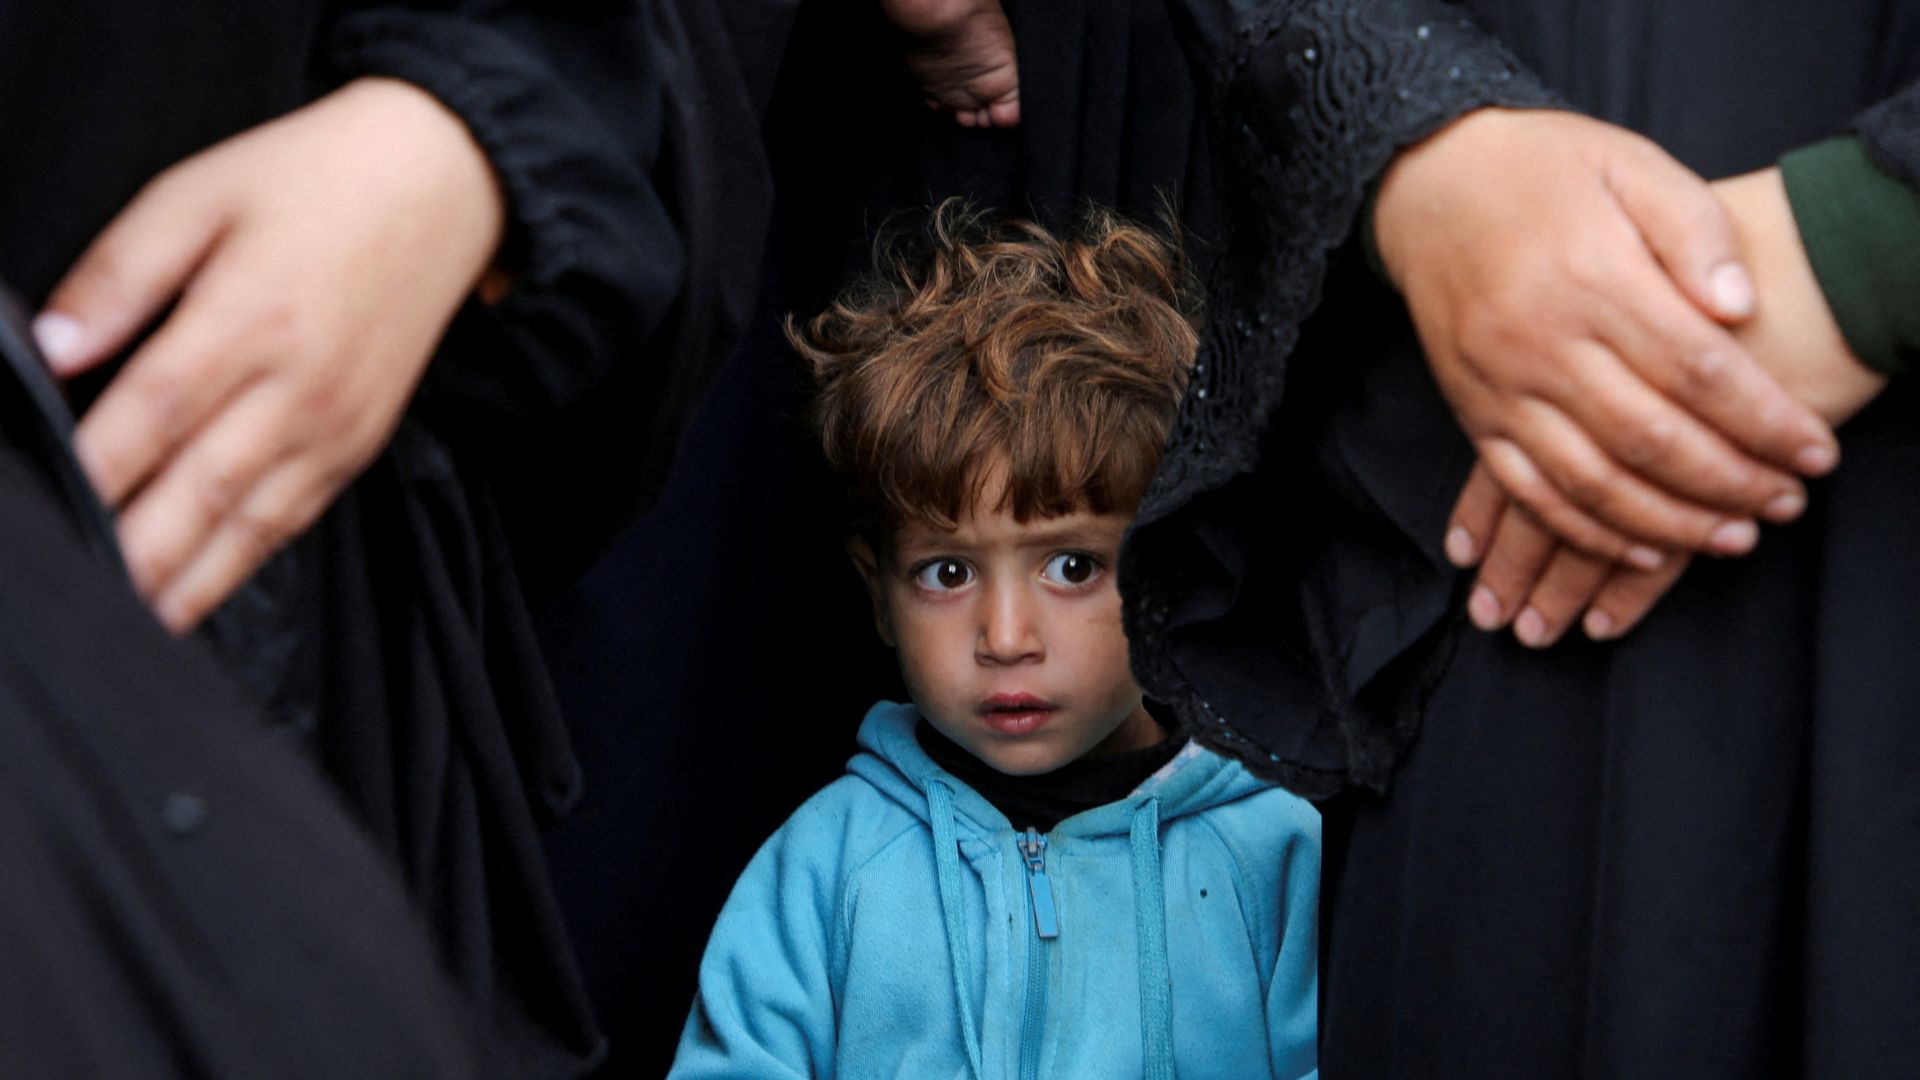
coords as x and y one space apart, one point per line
1091 534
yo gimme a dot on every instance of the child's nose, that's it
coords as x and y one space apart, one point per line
1009 631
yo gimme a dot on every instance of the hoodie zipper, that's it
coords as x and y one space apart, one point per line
1046 927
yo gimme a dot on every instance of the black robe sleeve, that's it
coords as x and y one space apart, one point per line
562 97
1311 100
638 204
396 634
1273 665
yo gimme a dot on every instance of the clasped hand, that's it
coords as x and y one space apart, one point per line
313 264
1643 361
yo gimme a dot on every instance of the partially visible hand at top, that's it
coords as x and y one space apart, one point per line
313 263
1569 282
962 52
1542 585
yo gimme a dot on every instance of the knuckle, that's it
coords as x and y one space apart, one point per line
168 402
1705 372
1589 484
219 490
1559 595
1499 322
1590 267
328 398
257 534
1534 501
1649 444
282 327
147 566
1705 221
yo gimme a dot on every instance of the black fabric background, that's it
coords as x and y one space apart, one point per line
393 636
717 664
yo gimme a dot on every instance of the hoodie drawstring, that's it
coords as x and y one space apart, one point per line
1150 915
953 911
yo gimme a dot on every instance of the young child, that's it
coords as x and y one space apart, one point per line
1023 873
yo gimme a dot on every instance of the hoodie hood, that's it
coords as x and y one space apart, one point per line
893 762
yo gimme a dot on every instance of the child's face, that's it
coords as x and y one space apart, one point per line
1009 636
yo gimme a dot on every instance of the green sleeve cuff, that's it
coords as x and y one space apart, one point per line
1861 229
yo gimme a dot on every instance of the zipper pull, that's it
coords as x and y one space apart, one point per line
1046 917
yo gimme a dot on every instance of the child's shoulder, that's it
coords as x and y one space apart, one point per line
1263 823
847 822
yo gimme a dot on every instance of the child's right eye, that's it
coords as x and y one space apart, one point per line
943 575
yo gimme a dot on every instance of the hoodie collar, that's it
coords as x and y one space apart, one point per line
893 762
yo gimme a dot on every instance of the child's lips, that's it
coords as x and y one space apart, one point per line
1016 714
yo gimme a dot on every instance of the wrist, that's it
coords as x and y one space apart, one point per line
427 149
1417 185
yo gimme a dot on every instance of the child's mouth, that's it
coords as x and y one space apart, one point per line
1016 714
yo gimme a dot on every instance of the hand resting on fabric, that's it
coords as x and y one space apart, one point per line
1530 577
313 263
1569 282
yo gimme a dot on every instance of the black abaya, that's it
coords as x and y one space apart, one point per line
393 636
182 896
1690 853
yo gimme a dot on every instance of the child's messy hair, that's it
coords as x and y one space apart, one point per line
1003 355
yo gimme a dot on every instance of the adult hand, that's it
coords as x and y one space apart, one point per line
313 263
1560 272
1541 584
963 55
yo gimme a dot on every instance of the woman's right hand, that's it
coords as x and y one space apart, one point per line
1560 272
1529 577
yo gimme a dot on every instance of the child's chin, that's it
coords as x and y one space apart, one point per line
1024 761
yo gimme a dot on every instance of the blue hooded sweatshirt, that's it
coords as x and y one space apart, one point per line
898 926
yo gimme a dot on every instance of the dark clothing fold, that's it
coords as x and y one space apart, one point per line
1688 853
751 619
183 897
395 634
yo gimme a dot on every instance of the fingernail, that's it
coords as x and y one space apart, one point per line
58 337
1735 538
1531 629
1732 291
1460 546
1599 625
1785 506
1642 557
1484 608
1816 460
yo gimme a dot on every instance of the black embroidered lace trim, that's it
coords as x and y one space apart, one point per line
1309 104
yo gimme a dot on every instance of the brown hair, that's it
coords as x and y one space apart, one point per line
980 354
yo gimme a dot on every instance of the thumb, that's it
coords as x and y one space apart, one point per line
1687 228
135 267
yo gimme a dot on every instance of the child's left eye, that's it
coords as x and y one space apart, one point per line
1071 568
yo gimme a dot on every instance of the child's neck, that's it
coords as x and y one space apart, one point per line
1043 801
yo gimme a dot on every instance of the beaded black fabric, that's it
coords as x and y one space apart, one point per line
1309 100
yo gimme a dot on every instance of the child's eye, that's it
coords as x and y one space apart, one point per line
943 575
1071 568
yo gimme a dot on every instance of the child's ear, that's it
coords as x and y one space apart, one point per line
865 561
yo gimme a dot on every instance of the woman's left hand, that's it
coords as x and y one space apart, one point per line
313 264
1532 580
